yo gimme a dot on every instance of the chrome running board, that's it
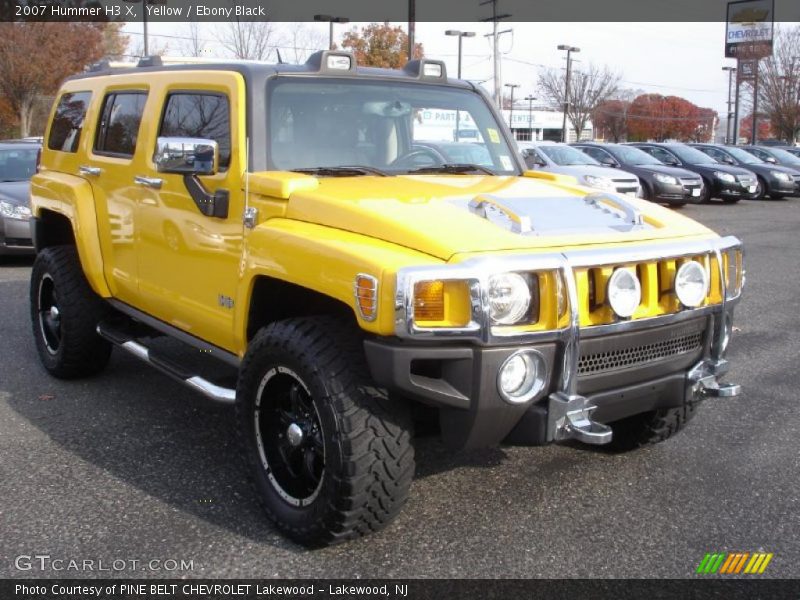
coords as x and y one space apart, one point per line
208 389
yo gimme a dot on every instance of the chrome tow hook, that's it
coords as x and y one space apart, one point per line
709 387
569 417
703 378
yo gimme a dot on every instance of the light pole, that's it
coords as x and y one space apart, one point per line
530 98
461 35
330 20
511 112
570 50
731 71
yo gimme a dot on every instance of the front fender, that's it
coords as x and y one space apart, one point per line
72 198
327 261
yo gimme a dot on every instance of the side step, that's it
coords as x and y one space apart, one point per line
166 366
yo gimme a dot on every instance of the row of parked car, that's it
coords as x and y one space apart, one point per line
673 173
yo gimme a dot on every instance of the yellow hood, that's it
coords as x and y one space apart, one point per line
432 214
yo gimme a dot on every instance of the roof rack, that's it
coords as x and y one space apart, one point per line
158 61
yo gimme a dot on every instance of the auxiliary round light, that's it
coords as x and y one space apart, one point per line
691 284
624 292
509 298
522 376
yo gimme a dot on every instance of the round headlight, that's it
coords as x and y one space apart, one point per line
691 284
522 376
624 292
509 298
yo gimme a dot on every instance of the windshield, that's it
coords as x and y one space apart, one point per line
394 127
18 164
633 156
692 155
566 155
784 156
743 156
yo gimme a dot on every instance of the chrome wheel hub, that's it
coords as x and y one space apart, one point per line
294 433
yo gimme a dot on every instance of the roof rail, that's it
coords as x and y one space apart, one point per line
105 65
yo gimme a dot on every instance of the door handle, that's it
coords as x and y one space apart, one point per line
151 182
87 170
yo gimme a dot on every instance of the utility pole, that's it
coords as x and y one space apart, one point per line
511 112
731 71
530 98
736 102
330 20
412 20
754 136
495 35
570 50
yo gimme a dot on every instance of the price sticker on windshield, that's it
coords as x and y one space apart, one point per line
493 135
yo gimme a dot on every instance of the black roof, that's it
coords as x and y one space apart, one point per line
258 70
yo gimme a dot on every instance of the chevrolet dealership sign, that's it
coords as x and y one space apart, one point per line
750 28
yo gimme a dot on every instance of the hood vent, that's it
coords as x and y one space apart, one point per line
594 213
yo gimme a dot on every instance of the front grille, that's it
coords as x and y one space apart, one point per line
636 356
691 182
746 180
625 186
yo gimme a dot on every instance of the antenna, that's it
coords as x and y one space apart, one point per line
280 60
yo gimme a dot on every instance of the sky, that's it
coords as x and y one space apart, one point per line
683 59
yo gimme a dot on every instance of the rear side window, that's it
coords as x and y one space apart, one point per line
199 115
65 131
119 123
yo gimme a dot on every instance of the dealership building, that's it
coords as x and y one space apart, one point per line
537 124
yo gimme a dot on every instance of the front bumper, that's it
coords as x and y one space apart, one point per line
779 186
15 236
618 375
685 191
738 189
595 375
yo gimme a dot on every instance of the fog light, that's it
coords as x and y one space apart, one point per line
522 376
624 292
691 284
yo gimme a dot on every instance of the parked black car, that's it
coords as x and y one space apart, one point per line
773 180
778 156
660 183
726 182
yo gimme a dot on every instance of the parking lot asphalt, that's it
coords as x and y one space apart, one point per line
131 466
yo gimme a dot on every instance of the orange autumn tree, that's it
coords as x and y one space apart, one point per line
35 57
380 45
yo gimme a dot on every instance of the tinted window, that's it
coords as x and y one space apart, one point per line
567 155
596 153
119 123
660 154
691 155
17 164
199 116
65 131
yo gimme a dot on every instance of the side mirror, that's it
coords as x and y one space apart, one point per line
191 157
727 160
186 156
670 160
771 159
609 162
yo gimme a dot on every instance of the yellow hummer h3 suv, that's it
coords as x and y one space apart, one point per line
316 229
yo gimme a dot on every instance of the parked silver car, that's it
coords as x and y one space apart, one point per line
17 166
566 160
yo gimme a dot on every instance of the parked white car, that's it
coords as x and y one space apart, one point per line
566 160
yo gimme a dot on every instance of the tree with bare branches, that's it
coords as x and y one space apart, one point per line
252 40
193 45
779 85
587 89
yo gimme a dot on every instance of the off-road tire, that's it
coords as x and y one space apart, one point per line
368 452
80 352
649 428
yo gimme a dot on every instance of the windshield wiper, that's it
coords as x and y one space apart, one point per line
341 171
454 168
